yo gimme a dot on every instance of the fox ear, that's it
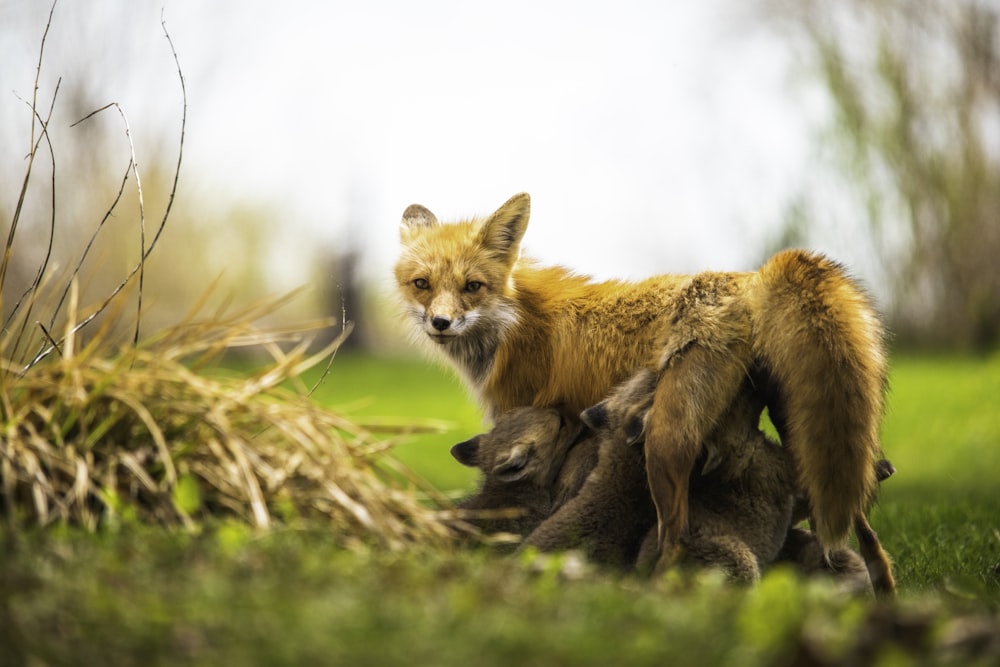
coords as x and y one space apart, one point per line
884 470
502 231
713 458
514 467
635 428
596 416
467 453
415 217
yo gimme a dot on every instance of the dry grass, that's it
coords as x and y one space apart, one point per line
154 433
93 431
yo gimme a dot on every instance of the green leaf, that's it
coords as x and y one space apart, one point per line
186 495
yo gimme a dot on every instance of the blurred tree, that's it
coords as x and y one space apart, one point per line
915 93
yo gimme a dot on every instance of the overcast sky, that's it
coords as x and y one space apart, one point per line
653 136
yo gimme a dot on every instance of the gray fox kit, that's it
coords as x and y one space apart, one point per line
533 461
740 509
600 502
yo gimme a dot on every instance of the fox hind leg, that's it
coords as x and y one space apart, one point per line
876 559
696 387
726 553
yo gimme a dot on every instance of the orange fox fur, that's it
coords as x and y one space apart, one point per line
525 335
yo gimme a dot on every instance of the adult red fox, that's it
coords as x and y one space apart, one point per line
526 335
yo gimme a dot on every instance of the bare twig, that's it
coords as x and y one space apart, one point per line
346 327
147 250
134 167
86 251
49 338
180 146
34 149
32 291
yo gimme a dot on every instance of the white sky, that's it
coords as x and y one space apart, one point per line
653 136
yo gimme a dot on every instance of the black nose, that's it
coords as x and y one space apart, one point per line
440 323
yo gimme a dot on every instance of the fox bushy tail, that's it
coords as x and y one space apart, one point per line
819 338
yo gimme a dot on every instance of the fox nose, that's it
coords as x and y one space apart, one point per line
440 323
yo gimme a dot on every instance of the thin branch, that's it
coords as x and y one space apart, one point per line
86 251
163 222
24 189
134 166
345 330
180 147
43 266
49 337
34 148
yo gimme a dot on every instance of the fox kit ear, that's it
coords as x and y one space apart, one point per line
467 453
514 467
596 416
415 217
502 231
635 429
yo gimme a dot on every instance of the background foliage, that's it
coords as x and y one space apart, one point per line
914 94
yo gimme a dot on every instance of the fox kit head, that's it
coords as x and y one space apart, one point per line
625 408
526 444
455 279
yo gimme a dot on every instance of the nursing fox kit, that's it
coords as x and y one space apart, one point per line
587 489
799 327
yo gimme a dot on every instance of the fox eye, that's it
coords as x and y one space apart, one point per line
473 286
421 283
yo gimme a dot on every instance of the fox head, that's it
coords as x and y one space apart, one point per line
526 444
455 279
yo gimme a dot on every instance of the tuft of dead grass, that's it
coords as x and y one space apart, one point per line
158 432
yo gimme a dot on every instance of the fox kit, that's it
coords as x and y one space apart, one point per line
612 511
532 462
603 469
740 511
525 335
742 498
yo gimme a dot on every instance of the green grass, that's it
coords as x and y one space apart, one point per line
940 514
400 391
230 595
